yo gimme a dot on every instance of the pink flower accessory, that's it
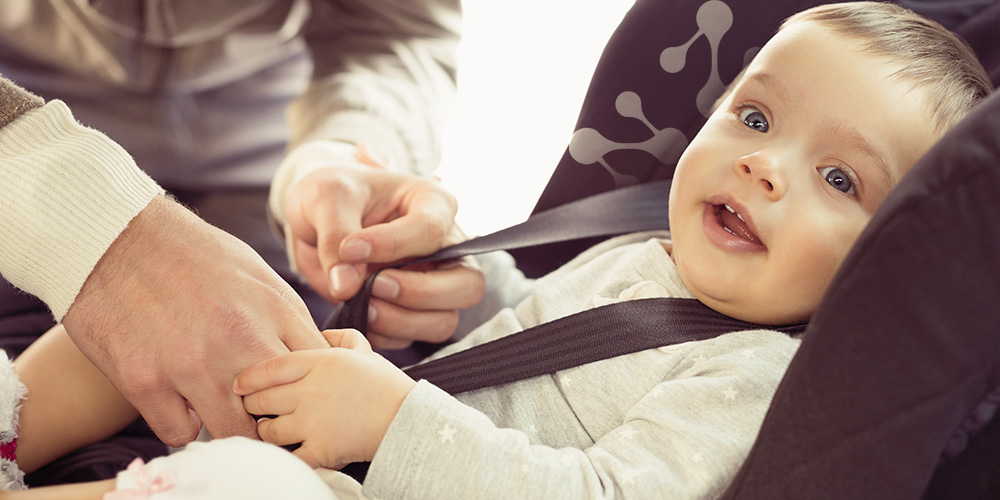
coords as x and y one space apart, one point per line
137 469
8 451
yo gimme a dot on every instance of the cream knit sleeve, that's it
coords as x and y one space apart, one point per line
66 193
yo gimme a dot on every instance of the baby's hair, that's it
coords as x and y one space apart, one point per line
931 55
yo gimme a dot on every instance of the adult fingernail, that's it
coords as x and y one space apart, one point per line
356 251
385 287
342 277
372 314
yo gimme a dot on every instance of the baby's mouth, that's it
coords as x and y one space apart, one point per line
733 222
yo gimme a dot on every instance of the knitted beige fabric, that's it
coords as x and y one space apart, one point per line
66 193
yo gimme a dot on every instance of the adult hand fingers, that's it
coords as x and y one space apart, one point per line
406 324
383 342
413 304
223 414
168 415
322 209
348 277
453 285
300 332
307 262
425 222
208 392
280 431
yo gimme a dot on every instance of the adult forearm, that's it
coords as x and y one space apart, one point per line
384 76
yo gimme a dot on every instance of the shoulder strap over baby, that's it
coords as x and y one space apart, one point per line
591 335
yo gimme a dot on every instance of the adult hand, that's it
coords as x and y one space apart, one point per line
348 221
174 310
337 402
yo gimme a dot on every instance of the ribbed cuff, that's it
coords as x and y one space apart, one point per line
68 192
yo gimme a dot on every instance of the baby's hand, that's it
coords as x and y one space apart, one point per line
336 402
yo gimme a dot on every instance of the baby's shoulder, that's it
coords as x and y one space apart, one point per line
740 351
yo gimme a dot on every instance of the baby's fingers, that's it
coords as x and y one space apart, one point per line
280 431
347 339
279 370
281 400
306 453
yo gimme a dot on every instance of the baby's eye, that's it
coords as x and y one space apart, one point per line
838 179
754 119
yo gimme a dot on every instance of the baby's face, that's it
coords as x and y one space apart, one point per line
773 191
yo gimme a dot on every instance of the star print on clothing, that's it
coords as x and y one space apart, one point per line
447 434
730 394
565 380
697 458
628 477
628 433
748 354
701 357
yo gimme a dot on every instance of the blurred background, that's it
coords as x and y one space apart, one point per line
524 67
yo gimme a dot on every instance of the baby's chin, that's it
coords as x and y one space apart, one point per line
757 313
755 309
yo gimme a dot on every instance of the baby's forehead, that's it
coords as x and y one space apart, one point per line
804 54
926 57
828 85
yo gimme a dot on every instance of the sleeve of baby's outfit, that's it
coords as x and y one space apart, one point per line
66 193
685 439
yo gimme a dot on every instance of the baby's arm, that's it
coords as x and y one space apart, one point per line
684 439
77 491
70 403
337 402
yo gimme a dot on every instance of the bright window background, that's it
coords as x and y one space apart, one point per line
524 67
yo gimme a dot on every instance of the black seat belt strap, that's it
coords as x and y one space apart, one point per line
627 210
591 335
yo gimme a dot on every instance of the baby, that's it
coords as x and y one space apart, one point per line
766 202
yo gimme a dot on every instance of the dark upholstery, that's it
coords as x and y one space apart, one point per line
905 346
645 74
